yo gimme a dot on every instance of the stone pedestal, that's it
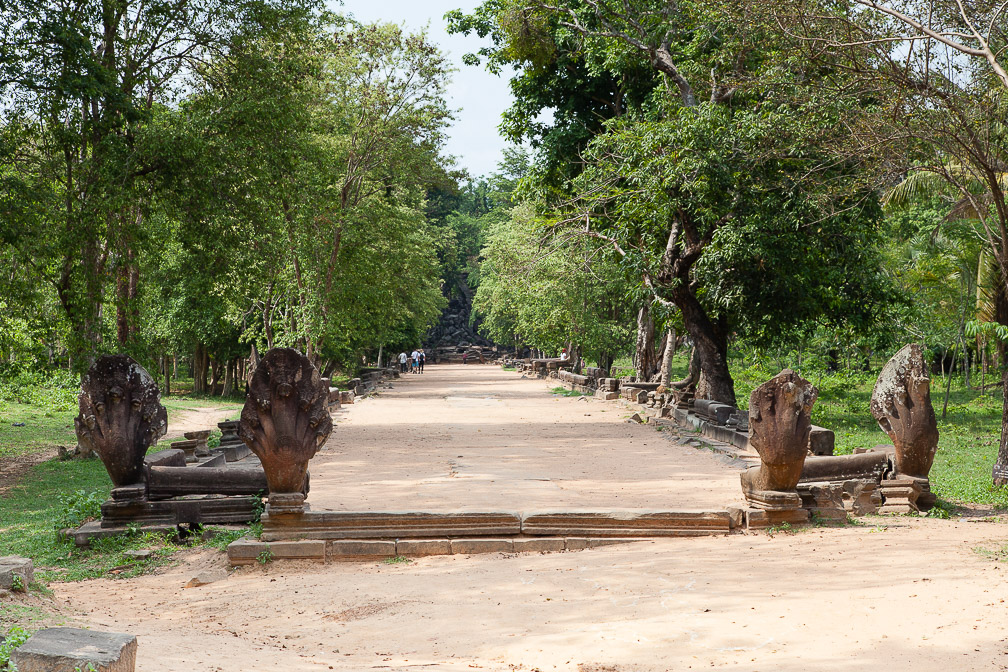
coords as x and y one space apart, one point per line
906 494
188 447
201 437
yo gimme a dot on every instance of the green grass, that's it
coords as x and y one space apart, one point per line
564 392
31 513
48 418
998 552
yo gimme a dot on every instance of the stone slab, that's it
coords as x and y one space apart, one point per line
418 547
361 549
69 649
611 541
470 546
626 524
388 525
15 565
248 551
539 545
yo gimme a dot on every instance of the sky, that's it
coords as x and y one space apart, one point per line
478 97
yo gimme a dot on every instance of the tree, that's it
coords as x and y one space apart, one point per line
931 90
708 200
79 83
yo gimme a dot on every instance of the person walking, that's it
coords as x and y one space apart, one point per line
422 359
402 362
414 361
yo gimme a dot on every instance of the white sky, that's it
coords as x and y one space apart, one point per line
478 97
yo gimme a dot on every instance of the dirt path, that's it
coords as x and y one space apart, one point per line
894 593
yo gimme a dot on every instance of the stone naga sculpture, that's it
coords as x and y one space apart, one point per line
284 421
121 416
901 403
779 426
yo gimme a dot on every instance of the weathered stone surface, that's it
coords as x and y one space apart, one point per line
121 416
361 549
417 547
285 418
612 541
69 649
188 447
201 437
823 500
606 396
626 524
388 525
864 466
821 441
539 545
861 497
760 519
460 546
901 403
164 482
720 413
576 543
905 494
15 565
779 428
250 551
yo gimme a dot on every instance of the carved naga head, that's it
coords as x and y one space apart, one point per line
121 416
285 418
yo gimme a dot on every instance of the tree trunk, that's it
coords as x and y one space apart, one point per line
644 355
666 365
1000 470
166 361
710 347
215 370
229 367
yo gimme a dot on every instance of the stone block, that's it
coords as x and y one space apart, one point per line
761 519
606 396
736 517
482 546
249 551
388 525
861 497
361 549
576 543
626 524
418 547
821 441
69 649
15 565
539 545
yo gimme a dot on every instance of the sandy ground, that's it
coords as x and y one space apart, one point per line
891 594
477 437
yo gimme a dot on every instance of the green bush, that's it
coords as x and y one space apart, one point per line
77 508
14 638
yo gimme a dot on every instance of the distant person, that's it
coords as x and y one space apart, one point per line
465 355
422 359
563 355
414 361
402 362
